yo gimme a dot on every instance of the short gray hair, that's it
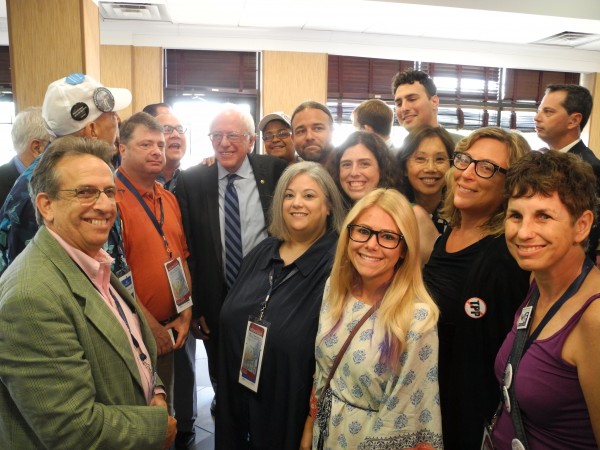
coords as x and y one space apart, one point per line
28 125
317 172
45 177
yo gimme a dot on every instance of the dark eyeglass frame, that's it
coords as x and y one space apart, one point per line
281 135
168 129
466 160
234 137
371 232
88 195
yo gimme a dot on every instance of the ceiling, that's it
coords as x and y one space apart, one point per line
457 31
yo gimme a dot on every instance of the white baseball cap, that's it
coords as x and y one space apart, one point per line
274 116
77 100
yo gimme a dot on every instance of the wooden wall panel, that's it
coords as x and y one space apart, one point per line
116 70
147 69
90 29
290 78
49 40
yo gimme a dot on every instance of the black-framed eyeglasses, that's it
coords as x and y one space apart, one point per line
88 195
232 137
281 135
483 169
168 129
386 239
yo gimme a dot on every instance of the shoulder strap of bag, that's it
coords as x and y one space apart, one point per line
338 358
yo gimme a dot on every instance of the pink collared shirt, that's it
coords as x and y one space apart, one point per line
97 269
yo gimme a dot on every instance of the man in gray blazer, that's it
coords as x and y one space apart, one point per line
200 192
77 358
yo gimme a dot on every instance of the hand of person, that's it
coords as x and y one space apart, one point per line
307 434
182 325
164 344
159 400
208 161
199 328
171 433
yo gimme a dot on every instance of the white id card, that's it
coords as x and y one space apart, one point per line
524 318
254 346
127 281
179 286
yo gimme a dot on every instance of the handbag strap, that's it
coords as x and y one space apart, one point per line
338 358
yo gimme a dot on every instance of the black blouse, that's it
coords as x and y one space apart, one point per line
274 417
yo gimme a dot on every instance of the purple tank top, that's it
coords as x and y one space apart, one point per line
553 408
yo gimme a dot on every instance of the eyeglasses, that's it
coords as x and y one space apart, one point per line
168 129
386 239
233 137
437 161
89 195
281 135
483 169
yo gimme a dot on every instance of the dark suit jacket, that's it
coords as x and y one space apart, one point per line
68 376
8 176
198 195
588 155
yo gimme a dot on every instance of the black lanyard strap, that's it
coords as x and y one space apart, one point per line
273 287
156 223
523 340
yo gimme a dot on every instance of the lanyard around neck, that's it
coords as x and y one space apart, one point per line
273 287
156 223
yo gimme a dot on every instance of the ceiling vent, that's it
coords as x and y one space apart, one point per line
134 11
569 39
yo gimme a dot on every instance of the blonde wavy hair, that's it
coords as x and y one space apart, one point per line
517 148
406 287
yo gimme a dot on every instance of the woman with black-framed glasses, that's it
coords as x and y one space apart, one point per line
384 392
475 282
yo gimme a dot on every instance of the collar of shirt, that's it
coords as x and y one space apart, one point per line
566 148
154 193
97 269
162 180
245 170
19 165
310 259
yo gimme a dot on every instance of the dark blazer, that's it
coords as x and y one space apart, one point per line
588 155
198 196
69 378
8 176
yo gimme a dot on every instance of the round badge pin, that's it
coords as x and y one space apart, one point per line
508 374
75 78
506 399
80 111
103 99
475 308
517 445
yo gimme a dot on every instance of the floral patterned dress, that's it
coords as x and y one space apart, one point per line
372 407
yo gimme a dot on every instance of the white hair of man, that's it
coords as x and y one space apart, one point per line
28 125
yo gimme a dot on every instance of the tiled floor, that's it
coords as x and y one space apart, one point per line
205 424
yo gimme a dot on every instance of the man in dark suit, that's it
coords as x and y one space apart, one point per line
561 116
201 195
29 137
